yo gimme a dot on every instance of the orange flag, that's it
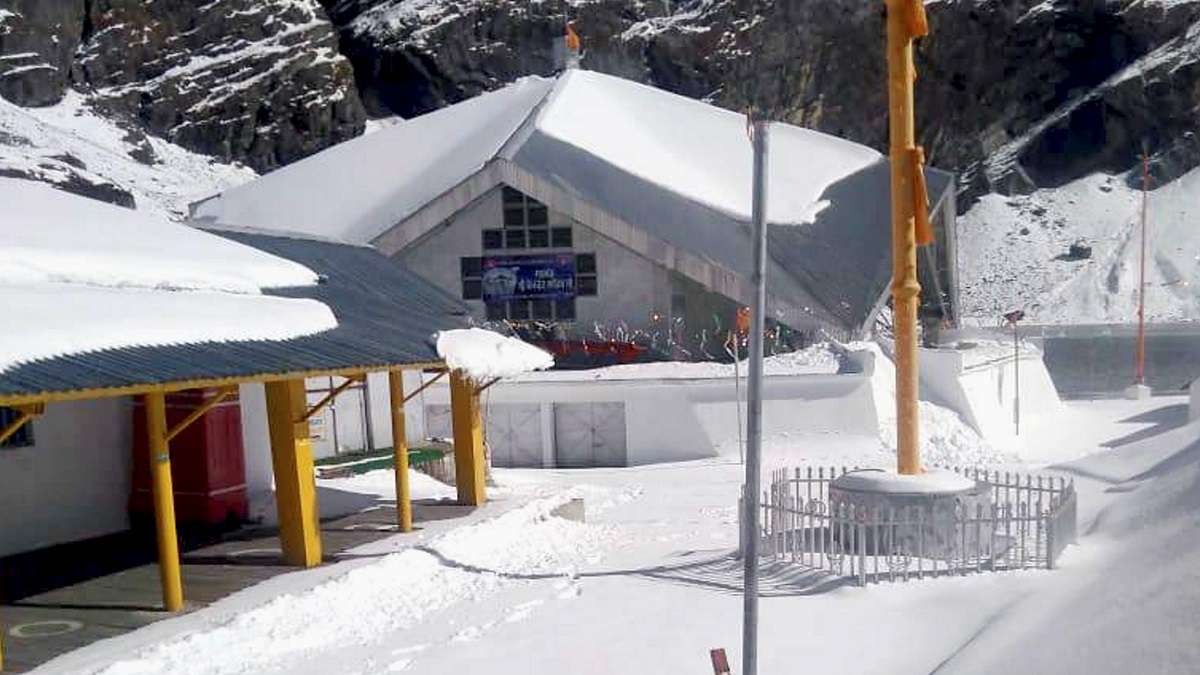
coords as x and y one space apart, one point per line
920 198
573 42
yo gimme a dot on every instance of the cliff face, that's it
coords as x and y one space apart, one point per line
1013 94
254 81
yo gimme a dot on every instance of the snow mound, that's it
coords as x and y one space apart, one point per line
819 359
484 355
946 440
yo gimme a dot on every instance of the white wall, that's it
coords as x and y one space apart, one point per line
985 393
673 420
74 482
1194 408
256 440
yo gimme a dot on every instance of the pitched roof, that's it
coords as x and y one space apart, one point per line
677 168
386 316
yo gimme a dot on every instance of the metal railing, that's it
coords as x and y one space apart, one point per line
1025 523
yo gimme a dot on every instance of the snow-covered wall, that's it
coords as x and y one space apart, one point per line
73 483
1194 407
980 384
664 420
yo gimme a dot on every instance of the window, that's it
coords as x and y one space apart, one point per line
471 274
532 310
587 282
493 239
560 237
526 225
24 436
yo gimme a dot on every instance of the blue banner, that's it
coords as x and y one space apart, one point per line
529 277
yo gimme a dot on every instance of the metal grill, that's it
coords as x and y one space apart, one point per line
1028 523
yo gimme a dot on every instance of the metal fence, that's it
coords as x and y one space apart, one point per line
1026 524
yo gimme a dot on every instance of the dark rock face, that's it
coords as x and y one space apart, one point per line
256 81
38 39
1013 94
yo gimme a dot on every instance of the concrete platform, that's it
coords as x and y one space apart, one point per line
65 598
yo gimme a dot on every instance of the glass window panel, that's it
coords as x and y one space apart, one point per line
538 215
586 285
514 217
561 237
493 239
539 238
585 263
472 289
514 238
496 311
470 268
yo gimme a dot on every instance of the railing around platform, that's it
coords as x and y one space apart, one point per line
1025 522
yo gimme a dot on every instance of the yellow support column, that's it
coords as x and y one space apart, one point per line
905 19
400 450
164 502
295 484
469 469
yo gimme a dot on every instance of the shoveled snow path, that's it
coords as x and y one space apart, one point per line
367 608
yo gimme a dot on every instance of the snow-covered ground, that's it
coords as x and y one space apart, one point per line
1013 253
647 584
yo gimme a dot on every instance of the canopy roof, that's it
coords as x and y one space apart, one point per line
386 317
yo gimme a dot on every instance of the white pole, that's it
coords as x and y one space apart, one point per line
754 406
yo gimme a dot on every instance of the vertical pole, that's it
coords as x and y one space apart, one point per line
905 288
754 406
469 460
1016 378
400 450
1140 366
164 502
295 483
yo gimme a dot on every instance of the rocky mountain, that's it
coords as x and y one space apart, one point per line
1017 96
259 82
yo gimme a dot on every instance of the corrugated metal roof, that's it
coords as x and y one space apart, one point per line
386 316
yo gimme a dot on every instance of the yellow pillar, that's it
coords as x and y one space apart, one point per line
400 450
469 469
906 290
295 484
164 502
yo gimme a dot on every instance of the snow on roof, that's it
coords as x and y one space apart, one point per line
63 319
694 149
52 236
83 276
357 190
483 354
360 189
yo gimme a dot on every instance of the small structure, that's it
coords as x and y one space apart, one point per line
976 521
116 305
591 200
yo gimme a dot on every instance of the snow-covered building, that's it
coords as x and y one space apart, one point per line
127 331
596 201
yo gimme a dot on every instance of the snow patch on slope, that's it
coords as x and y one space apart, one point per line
70 143
1014 253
